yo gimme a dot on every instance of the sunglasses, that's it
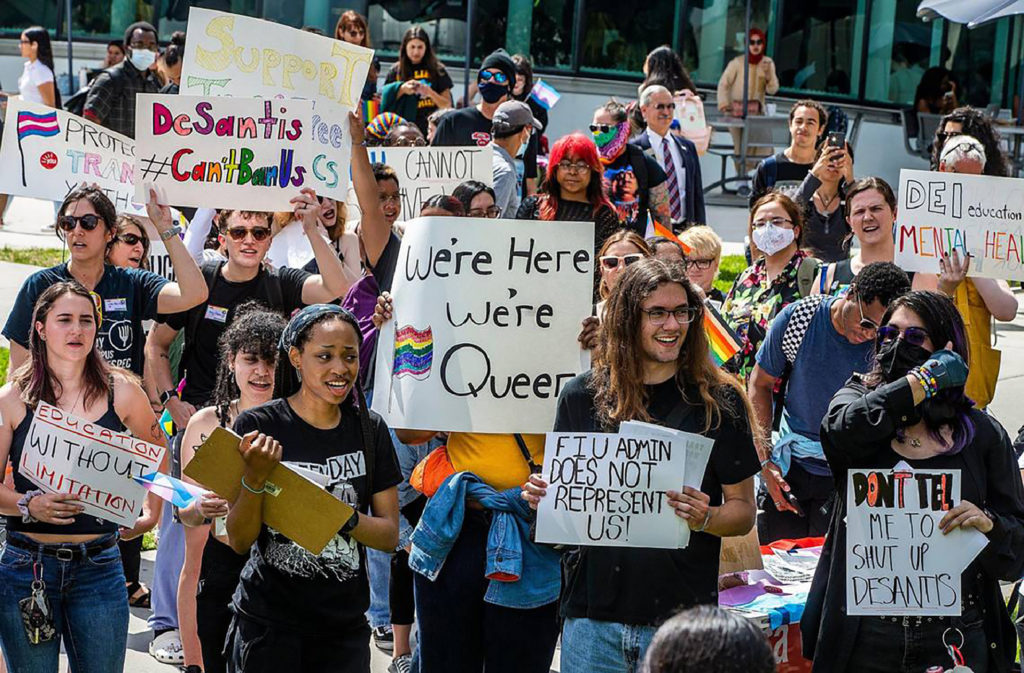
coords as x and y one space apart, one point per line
601 128
410 142
915 336
756 42
865 323
258 233
498 77
491 212
614 261
683 315
129 239
87 222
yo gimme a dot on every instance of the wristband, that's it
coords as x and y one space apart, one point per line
26 516
352 522
251 489
707 520
764 463
173 231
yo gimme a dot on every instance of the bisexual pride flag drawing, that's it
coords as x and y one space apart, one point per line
414 352
723 341
32 124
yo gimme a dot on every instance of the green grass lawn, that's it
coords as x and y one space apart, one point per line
5 356
731 266
35 256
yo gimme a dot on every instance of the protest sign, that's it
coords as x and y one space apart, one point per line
247 153
47 152
898 562
486 315
609 489
424 172
234 55
977 214
64 454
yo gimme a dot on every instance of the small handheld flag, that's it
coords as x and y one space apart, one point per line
545 94
32 124
175 491
722 340
662 230
167 423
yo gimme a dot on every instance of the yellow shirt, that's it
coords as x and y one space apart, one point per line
984 360
496 459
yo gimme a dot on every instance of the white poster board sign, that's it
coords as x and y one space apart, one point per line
234 55
609 489
246 153
898 562
47 152
64 454
424 172
977 214
486 315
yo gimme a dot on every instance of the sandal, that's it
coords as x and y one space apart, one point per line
138 595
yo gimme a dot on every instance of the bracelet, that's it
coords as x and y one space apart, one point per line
928 382
26 516
173 231
352 522
765 462
251 489
707 520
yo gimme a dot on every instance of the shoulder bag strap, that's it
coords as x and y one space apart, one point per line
521 443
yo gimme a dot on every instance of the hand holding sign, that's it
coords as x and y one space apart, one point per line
965 515
157 209
692 506
307 210
261 454
952 271
55 508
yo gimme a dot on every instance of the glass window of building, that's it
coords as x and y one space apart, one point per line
971 56
551 38
618 35
815 44
712 35
899 51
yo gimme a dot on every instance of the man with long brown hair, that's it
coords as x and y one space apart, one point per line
652 364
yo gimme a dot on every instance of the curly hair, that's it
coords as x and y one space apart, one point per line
976 124
881 281
254 330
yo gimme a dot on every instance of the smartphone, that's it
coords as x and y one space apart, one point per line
836 139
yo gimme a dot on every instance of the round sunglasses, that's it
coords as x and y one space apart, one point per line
915 336
87 222
258 233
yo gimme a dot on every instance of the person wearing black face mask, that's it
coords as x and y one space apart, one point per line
911 407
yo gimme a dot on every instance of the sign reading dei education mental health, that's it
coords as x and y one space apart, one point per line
424 172
486 315
247 153
609 489
234 55
898 562
47 152
64 454
977 214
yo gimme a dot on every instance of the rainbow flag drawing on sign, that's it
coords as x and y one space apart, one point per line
723 341
545 94
32 124
414 352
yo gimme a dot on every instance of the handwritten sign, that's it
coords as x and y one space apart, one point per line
246 153
47 152
424 172
898 562
234 55
486 315
609 489
977 214
64 454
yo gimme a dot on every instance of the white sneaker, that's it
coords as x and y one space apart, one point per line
166 648
402 664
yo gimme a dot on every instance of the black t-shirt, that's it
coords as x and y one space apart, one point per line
629 188
788 177
283 584
440 83
614 583
468 126
280 289
384 270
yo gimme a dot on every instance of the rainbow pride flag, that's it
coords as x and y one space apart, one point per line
723 341
661 230
414 352
371 109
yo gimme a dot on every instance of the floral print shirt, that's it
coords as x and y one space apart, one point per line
752 304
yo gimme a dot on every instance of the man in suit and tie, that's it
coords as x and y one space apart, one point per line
675 154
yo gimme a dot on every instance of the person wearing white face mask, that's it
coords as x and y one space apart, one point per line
511 128
111 99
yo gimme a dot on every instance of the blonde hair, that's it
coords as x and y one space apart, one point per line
703 240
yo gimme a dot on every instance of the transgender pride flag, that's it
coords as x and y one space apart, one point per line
545 94
32 124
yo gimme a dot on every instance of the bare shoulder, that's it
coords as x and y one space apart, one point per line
11 406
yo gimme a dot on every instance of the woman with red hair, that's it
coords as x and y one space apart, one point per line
572 189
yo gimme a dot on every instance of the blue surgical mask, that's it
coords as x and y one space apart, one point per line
521 152
143 59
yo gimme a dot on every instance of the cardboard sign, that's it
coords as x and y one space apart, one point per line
977 214
294 505
898 562
609 489
234 55
47 152
424 172
486 315
64 454
246 153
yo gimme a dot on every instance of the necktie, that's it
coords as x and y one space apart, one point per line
675 205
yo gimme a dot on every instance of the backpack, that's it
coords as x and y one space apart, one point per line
805 274
792 338
771 171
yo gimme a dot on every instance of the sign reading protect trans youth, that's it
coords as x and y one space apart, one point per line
246 153
976 214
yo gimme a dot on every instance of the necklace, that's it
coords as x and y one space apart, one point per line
78 399
825 204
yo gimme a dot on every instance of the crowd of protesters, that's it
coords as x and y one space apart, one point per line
845 362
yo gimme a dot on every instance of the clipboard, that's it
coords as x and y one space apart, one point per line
293 505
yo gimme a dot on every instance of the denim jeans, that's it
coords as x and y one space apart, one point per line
591 646
89 604
911 645
378 568
170 557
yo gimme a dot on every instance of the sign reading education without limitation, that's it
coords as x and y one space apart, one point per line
64 454
977 214
898 562
245 153
486 315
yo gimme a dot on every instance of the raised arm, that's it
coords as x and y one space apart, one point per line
373 227
332 281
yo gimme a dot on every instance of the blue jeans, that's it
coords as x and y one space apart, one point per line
170 557
378 567
89 605
591 646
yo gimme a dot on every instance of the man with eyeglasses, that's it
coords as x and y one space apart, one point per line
111 99
512 127
812 348
676 155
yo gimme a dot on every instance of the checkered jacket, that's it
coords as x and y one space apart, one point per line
111 99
